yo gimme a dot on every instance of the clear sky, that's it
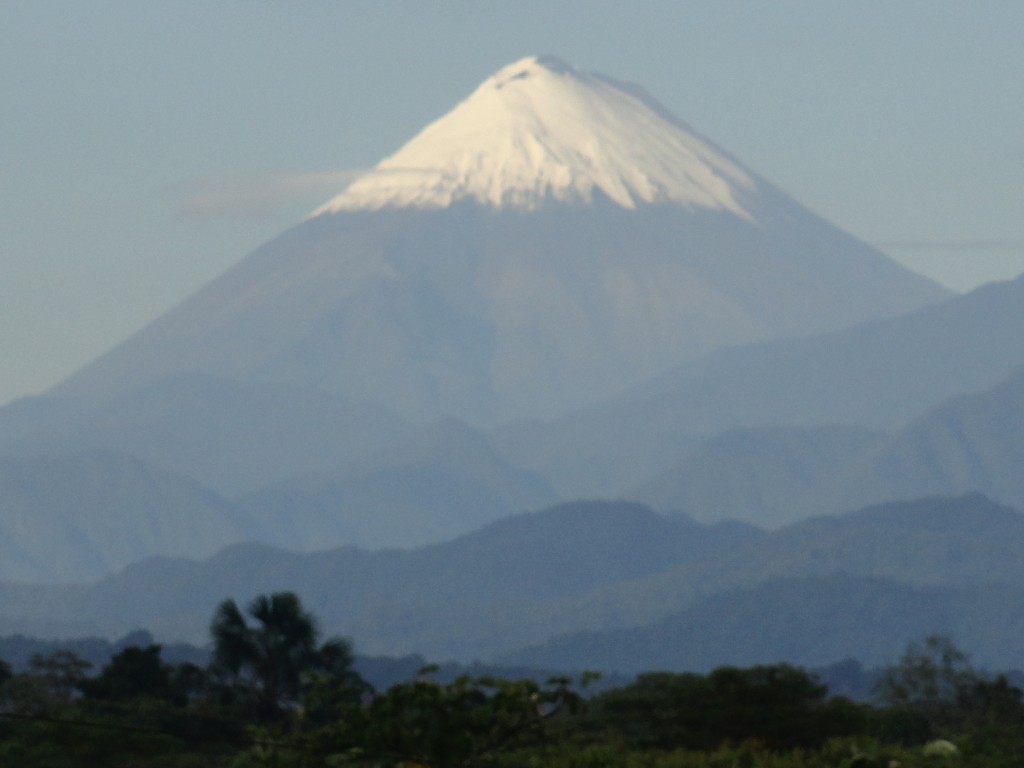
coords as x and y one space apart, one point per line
146 146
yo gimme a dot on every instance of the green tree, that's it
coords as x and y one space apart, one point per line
934 685
272 663
779 705
993 701
60 673
928 675
133 673
465 722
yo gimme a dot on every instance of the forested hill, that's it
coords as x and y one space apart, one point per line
607 567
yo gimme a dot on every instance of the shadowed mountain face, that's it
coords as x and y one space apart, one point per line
804 621
494 315
229 435
860 585
876 375
442 482
768 476
773 476
81 516
969 443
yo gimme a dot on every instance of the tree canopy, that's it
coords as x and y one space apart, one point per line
275 660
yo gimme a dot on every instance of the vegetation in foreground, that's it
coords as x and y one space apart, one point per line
275 695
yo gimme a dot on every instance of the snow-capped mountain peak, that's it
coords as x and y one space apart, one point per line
540 130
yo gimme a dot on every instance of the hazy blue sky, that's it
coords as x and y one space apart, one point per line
147 145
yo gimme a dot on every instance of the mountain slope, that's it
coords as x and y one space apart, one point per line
956 541
876 375
443 481
801 621
969 443
557 238
769 476
81 516
230 435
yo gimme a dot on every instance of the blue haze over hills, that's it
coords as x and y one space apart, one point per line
451 379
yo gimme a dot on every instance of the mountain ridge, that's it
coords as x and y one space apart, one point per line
491 314
83 515
879 375
477 597
971 442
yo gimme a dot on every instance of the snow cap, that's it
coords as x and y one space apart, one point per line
538 131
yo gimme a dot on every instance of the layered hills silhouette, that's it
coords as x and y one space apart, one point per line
313 471
555 238
875 375
230 435
809 621
609 585
80 516
970 442
408 408
444 480
562 550
771 476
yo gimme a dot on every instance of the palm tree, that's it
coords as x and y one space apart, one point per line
272 662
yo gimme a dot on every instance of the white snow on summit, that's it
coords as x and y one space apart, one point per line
540 130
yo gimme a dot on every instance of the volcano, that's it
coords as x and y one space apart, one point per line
555 238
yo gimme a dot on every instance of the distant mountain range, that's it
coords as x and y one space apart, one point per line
610 586
774 476
408 408
767 475
232 436
563 550
877 375
554 238
443 481
327 472
810 621
81 516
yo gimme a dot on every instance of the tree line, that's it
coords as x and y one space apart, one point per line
275 694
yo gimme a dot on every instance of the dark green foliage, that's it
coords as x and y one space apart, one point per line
60 674
780 706
899 726
460 723
134 673
19 649
293 703
928 676
270 665
992 701
934 691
